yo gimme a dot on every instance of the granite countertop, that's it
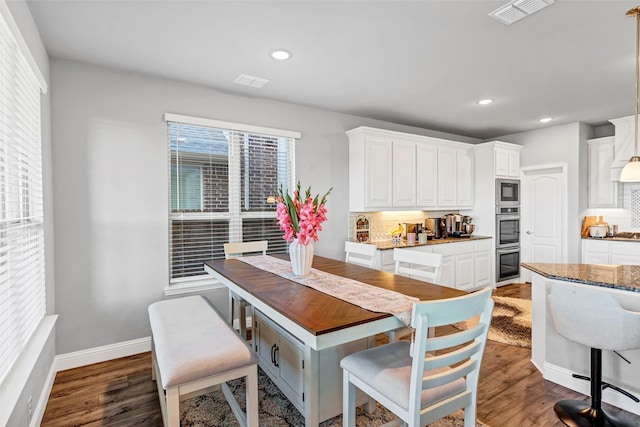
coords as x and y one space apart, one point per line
387 244
623 277
615 238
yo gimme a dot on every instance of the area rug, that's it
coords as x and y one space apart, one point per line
274 410
510 323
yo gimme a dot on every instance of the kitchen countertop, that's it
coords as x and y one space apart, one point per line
616 276
615 238
387 244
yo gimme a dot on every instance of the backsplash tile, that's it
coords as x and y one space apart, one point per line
381 223
635 208
628 217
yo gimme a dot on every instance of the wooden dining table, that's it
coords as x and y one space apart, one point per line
322 324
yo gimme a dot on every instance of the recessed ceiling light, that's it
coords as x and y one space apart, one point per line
485 101
545 120
280 54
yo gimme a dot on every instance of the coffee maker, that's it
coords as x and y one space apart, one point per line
454 224
439 228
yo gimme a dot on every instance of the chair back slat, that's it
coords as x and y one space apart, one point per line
452 340
452 357
449 375
419 265
450 311
360 253
237 249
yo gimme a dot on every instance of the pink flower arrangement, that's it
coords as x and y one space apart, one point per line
300 217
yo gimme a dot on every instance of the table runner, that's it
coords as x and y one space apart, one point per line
352 291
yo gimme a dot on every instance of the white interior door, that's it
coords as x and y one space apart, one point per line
543 216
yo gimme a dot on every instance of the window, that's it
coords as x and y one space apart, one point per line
22 288
221 176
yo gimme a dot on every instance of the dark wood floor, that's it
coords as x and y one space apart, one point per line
120 392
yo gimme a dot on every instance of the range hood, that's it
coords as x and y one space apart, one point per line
623 145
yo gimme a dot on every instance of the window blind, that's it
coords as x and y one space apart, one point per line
22 290
220 181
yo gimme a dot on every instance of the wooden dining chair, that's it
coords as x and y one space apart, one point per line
360 253
425 266
423 381
234 250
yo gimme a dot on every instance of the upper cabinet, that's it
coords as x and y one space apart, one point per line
603 192
507 161
455 172
403 174
394 170
378 171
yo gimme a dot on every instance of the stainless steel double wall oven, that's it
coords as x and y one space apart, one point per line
507 229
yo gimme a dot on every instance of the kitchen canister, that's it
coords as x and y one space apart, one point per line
411 238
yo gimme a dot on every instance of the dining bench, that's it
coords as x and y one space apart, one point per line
194 351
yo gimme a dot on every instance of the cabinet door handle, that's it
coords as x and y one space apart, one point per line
275 356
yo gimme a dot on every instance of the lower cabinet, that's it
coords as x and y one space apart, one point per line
466 264
281 357
604 251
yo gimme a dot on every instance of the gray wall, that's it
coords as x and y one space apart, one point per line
561 144
110 183
38 375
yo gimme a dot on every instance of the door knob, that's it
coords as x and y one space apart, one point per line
528 232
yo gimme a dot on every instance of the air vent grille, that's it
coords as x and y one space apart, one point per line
247 80
518 9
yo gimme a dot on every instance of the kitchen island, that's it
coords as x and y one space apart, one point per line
558 358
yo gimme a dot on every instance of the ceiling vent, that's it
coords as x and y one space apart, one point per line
247 80
518 9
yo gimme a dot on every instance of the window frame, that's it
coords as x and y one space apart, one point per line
235 215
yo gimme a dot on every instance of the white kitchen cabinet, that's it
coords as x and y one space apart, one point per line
507 162
393 170
464 271
455 177
483 263
596 251
426 176
603 192
446 176
466 264
464 178
378 172
404 174
448 269
625 253
606 251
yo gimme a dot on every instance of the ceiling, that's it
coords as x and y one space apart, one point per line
419 63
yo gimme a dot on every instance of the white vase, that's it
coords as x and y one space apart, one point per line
301 257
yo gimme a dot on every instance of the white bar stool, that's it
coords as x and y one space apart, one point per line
593 318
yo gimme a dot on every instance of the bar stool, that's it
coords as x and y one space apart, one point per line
594 318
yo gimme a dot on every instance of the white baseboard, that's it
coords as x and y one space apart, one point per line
564 377
102 354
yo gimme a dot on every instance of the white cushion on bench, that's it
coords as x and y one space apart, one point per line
192 341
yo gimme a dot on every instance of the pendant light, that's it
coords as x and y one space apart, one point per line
631 171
